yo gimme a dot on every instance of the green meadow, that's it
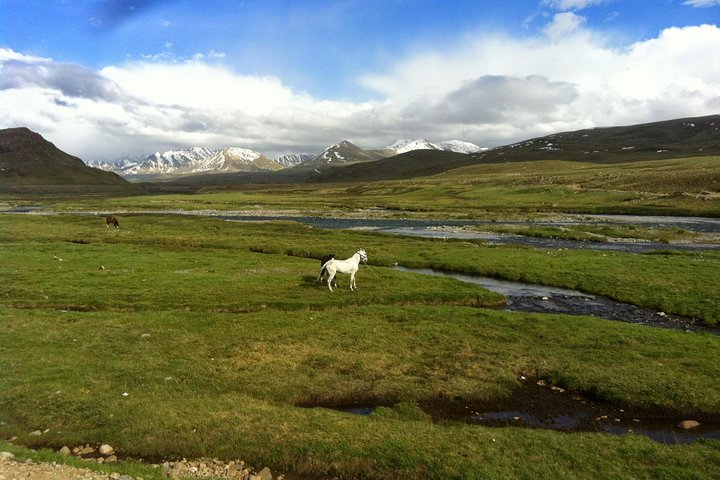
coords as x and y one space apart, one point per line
686 186
179 336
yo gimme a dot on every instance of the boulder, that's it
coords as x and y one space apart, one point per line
106 449
688 424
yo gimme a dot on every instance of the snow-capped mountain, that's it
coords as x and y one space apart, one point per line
407 145
342 153
192 161
460 147
294 159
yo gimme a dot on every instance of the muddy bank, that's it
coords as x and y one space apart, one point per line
539 404
523 297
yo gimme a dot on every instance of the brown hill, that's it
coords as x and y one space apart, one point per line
28 162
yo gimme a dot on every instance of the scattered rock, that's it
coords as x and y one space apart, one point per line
264 474
64 451
106 449
36 433
688 424
6 456
214 468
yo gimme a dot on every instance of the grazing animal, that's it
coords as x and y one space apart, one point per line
323 270
110 220
350 265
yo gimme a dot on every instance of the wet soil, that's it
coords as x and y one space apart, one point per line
539 404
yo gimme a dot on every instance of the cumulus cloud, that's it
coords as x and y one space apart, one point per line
469 90
499 98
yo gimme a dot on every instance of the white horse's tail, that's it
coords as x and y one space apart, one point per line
323 269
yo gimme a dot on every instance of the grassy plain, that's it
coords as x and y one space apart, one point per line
689 186
217 332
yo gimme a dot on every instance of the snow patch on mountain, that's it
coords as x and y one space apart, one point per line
460 146
294 159
404 145
407 145
190 161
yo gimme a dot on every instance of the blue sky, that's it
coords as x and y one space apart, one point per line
107 78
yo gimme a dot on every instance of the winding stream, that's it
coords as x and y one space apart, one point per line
523 297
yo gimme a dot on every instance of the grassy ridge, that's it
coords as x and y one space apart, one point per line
216 344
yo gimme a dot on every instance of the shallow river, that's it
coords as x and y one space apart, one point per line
524 297
453 229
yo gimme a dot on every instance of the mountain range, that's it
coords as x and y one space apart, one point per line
190 162
199 160
29 163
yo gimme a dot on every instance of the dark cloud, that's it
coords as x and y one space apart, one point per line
495 98
70 80
62 103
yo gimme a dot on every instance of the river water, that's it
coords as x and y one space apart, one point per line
457 229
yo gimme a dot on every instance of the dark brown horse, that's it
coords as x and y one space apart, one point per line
110 220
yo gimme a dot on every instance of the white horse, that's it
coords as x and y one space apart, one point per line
351 266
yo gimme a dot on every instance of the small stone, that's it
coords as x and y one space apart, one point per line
106 449
110 459
114 476
264 474
36 433
64 451
145 335
6 456
86 450
688 424
545 299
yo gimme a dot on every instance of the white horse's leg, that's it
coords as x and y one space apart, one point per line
352 281
330 279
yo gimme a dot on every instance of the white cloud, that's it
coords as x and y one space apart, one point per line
563 24
673 75
567 79
702 3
